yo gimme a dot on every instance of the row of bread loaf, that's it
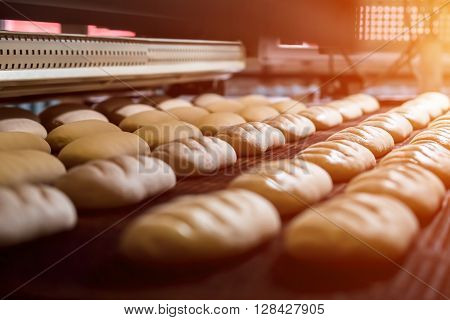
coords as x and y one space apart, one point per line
376 218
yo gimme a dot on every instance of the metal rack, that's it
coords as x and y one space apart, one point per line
33 64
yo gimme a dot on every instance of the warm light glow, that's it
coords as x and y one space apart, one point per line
32 26
104 32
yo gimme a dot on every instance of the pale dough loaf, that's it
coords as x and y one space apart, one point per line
367 103
61 136
254 100
377 140
352 228
49 114
22 166
129 110
290 185
342 159
78 115
173 103
433 110
258 113
225 105
160 133
206 99
199 228
441 122
142 119
30 211
196 156
418 118
348 109
23 125
288 106
439 135
293 126
416 187
102 146
429 155
116 182
190 115
436 98
396 124
323 117
212 123
21 141
252 138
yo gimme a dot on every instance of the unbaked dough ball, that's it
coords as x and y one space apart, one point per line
225 105
160 133
290 185
142 119
348 109
416 187
293 126
252 138
342 159
418 118
197 155
429 155
323 117
30 211
357 228
212 123
199 228
258 113
206 99
61 136
367 103
288 106
102 146
377 140
254 100
116 182
28 166
22 141
190 115
396 124
173 103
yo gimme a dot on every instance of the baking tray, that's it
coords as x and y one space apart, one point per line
84 263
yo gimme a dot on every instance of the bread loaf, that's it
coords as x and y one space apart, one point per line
22 141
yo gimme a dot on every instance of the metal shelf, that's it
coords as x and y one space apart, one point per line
32 64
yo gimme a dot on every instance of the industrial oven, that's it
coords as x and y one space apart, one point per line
312 51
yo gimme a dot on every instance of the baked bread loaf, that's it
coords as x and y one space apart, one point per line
23 125
110 105
293 126
348 109
258 113
21 141
17 113
195 229
350 229
323 117
212 123
127 111
173 103
102 146
254 100
396 124
196 155
416 187
206 99
377 140
342 159
290 185
429 155
142 119
28 166
367 103
441 122
288 106
30 211
433 110
437 98
252 138
61 136
116 182
160 133
439 135
225 105
418 117
190 115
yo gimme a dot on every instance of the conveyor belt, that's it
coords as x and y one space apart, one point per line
96 271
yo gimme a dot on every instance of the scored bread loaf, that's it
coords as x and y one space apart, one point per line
22 166
61 136
288 106
323 117
32 211
441 122
348 109
416 187
352 228
213 122
417 117
290 185
252 138
342 159
102 146
196 155
199 228
367 103
439 135
116 182
21 141
394 123
293 126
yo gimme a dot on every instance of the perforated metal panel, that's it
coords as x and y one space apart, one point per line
73 63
